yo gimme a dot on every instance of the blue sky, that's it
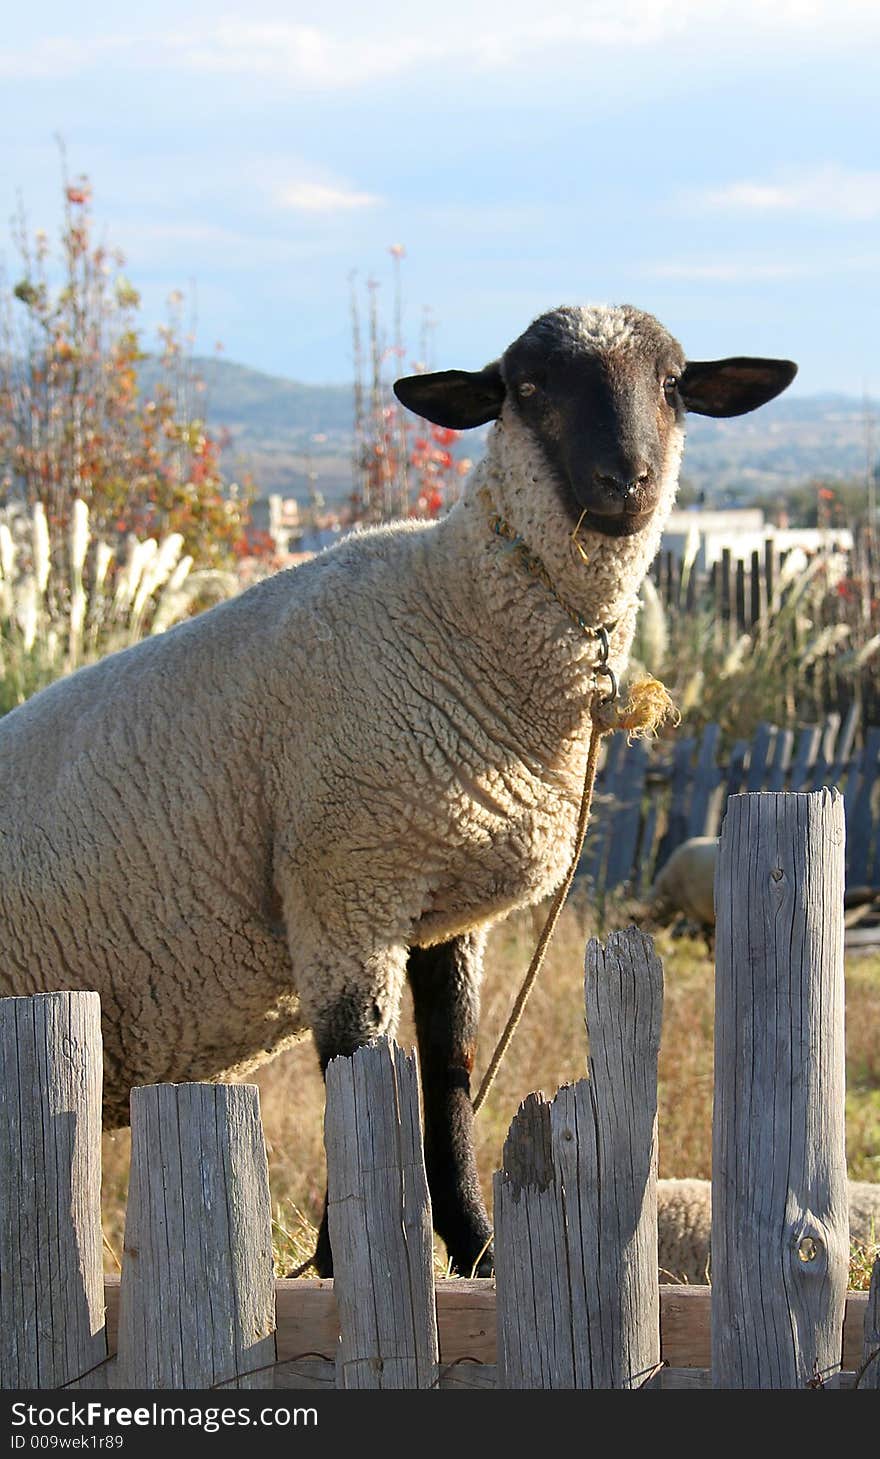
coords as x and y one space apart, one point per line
713 162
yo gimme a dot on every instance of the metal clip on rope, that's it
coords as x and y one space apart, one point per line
604 670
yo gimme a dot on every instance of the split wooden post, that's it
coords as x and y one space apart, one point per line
51 1281
197 1298
576 1203
380 1221
871 1375
780 1235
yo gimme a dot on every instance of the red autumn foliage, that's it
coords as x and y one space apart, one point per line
75 419
402 468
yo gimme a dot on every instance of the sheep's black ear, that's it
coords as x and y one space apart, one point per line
735 386
458 399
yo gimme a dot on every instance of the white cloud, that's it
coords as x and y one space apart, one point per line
53 57
827 191
319 197
362 44
296 52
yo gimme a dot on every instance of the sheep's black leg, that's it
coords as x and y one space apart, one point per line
344 1027
445 984
445 987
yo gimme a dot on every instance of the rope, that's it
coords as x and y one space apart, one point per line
540 952
648 707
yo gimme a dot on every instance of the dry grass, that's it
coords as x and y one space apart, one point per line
549 1049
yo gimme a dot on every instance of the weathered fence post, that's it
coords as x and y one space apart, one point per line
51 1283
780 1238
380 1221
871 1375
197 1298
576 1202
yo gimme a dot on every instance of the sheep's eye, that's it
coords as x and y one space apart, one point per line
526 389
670 386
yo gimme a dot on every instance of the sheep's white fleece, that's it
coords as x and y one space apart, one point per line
686 883
684 1223
381 748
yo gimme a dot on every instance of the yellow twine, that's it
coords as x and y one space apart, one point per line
648 707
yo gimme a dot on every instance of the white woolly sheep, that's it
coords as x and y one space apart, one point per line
684 1223
266 819
686 882
685 885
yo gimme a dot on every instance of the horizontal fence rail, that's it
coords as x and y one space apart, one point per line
578 1302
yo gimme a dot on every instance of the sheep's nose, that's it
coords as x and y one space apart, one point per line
624 480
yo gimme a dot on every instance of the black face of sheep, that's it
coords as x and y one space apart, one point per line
601 402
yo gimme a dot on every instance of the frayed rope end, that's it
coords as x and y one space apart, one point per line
648 707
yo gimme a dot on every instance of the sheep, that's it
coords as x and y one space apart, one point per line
684 1225
685 883
267 819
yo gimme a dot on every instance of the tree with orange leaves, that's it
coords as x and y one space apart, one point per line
74 420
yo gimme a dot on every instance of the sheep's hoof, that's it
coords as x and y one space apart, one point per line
481 1263
485 1267
323 1258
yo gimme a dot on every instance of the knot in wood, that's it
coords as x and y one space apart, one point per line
810 1250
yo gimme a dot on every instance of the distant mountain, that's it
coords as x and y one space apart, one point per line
272 423
793 439
247 400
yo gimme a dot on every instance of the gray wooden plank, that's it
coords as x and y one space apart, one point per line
804 756
379 1213
706 779
859 808
830 729
870 1377
679 799
619 865
576 1201
736 768
771 568
726 604
197 1294
647 853
873 867
780 1233
51 1284
741 621
760 752
603 813
756 598
844 749
780 766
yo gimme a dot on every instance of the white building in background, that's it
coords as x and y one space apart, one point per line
279 516
702 535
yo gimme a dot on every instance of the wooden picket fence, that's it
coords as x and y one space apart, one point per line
576 1301
650 798
745 596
